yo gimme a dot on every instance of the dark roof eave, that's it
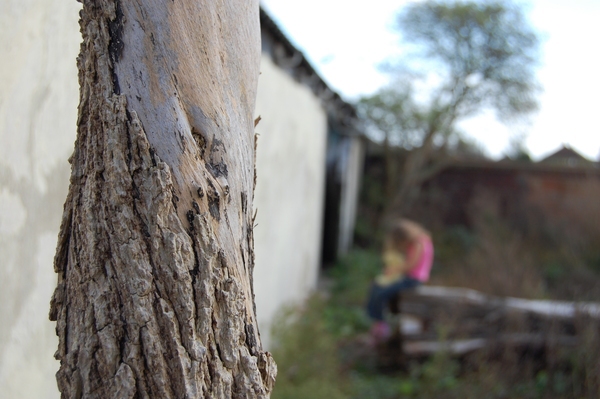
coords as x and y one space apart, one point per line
303 72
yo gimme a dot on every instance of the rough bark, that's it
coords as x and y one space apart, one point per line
155 251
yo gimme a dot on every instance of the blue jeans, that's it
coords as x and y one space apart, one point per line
380 296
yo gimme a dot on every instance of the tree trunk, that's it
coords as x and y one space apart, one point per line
416 170
155 252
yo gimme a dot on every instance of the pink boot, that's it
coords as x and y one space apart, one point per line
380 332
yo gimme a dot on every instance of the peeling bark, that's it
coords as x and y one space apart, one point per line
155 251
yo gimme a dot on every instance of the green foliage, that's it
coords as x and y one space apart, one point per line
392 113
373 201
593 260
306 355
487 51
554 271
378 386
454 243
517 150
352 277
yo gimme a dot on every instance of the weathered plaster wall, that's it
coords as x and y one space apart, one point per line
289 193
39 40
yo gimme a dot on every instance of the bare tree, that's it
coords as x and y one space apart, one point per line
471 56
155 252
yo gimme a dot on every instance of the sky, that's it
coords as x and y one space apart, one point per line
346 42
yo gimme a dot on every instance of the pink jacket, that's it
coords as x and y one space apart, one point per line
423 267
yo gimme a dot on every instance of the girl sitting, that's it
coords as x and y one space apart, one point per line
407 258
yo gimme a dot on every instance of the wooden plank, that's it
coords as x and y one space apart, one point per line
465 346
448 296
462 320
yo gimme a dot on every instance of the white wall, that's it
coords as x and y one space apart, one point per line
289 194
39 40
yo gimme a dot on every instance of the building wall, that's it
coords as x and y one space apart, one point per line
289 193
39 40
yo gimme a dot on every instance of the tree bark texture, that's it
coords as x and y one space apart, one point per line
155 251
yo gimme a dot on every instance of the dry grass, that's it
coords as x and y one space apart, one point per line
542 261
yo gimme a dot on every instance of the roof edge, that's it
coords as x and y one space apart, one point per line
286 56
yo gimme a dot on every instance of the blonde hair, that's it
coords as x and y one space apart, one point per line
403 231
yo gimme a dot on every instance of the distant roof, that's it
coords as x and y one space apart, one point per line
289 58
566 156
584 169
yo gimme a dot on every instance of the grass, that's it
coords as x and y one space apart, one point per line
307 360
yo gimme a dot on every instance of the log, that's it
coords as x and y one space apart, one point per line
460 321
461 347
449 296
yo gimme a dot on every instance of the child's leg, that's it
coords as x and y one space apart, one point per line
380 296
376 303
